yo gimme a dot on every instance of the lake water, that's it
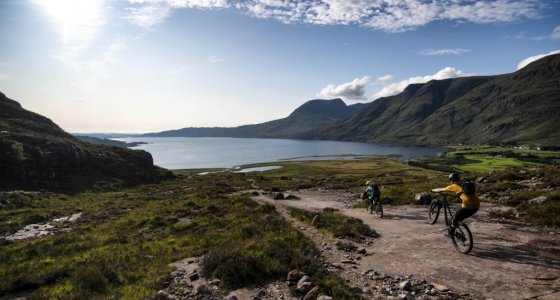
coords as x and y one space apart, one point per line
195 153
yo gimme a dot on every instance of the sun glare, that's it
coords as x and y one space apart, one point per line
76 21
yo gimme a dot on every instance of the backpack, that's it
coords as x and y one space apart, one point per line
469 188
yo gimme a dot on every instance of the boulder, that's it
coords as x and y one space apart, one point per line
405 285
304 285
295 275
279 196
539 200
312 294
423 198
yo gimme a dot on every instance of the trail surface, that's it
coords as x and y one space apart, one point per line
508 261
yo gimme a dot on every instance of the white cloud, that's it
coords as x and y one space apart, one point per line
216 59
531 59
386 15
455 51
555 35
354 90
148 16
395 88
384 79
147 13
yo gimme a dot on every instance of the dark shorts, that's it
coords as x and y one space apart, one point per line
462 214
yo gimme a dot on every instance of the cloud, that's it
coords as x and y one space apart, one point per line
148 13
216 60
531 59
148 16
455 51
395 88
386 15
354 90
384 79
555 35
4 76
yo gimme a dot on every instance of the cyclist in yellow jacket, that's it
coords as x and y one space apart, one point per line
470 203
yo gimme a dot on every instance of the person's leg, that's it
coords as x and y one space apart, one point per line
462 214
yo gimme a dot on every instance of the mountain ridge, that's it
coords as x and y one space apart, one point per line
311 115
518 107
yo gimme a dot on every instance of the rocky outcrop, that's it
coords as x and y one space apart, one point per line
37 154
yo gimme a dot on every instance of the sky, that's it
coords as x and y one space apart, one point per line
136 66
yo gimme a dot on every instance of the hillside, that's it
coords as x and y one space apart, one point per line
312 115
520 107
37 154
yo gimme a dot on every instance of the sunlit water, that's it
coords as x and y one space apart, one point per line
194 153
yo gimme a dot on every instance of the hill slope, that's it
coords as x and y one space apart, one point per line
312 115
37 154
519 107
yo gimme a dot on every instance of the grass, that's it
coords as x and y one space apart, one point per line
122 245
125 241
339 225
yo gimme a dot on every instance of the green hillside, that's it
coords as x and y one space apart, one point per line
521 107
37 154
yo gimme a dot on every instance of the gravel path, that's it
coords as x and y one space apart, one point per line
508 261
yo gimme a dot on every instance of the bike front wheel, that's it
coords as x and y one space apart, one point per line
462 238
379 209
434 212
369 207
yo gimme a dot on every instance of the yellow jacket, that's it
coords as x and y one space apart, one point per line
470 202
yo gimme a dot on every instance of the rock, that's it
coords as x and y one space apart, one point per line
304 285
231 297
202 290
539 200
316 219
279 196
194 276
161 295
402 296
324 297
405 285
362 251
295 275
423 198
312 294
441 287
347 261
481 179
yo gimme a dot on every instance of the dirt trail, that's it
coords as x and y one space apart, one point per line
508 261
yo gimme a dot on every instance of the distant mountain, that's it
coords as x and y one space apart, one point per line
37 154
521 107
312 115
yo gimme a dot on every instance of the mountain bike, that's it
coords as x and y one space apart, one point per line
461 236
374 206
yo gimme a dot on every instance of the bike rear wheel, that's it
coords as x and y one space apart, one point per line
434 212
462 238
379 209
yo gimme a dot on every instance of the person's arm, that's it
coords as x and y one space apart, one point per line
438 190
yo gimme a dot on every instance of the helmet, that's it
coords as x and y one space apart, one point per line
369 182
454 176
